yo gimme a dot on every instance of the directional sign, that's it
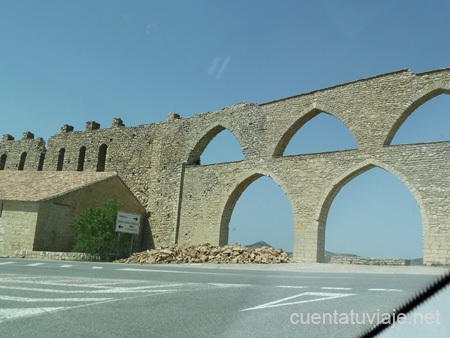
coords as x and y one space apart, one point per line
128 222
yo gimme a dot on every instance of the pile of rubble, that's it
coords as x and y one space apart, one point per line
207 253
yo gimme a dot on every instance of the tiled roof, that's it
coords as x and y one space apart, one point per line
41 185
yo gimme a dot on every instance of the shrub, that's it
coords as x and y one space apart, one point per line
95 229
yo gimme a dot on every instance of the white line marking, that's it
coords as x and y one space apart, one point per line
35 264
223 285
393 290
38 311
109 290
25 312
65 266
222 273
4 263
292 287
71 284
324 296
97 267
31 300
333 288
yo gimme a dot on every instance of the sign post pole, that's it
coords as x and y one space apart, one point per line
117 247
131 248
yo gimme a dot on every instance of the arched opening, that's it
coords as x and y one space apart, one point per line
102 157
60 164
219 145
315 132
258 211
371 213
23 157
41 162
81 157
429 122
3 162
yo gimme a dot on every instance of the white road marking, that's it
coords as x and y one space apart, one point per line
97 267
4 263
223 285
65 266
174 271
390 290
26 312
46 300
219 273
292 287
35 264
93 286
277 303
6 314
333 288
108 290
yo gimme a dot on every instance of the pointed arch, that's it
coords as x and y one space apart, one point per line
202 143
3 161
59 166
23 157
323 207
307 115
81 157
41 162
101 160
419 99
242 183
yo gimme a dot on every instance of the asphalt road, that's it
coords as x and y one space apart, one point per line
78 299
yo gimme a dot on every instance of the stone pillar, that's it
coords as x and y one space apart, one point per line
7 137
92 125
117 122
27 135
66 128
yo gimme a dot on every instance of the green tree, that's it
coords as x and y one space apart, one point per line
95 229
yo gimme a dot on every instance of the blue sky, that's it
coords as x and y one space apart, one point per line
74 61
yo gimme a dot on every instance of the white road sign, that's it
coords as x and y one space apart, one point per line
128 222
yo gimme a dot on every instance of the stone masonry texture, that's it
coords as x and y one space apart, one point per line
187 203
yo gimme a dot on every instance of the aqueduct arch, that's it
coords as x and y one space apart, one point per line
204 141
327 198
304 117
232 196
418 100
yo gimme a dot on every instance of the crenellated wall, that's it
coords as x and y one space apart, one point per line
190 203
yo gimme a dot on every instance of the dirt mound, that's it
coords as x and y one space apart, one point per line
207 253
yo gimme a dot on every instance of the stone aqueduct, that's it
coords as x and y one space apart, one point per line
191 203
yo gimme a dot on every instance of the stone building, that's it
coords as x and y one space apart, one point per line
36 208
190 203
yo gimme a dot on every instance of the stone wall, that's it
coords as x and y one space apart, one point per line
190 203
369 261
17 226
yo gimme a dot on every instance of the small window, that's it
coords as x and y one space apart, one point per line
22 161
60 164
81 157
2 162
101 157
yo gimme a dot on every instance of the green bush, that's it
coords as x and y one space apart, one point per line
95 229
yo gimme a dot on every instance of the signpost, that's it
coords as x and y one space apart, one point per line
129 223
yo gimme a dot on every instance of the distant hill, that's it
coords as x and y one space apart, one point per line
257 245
